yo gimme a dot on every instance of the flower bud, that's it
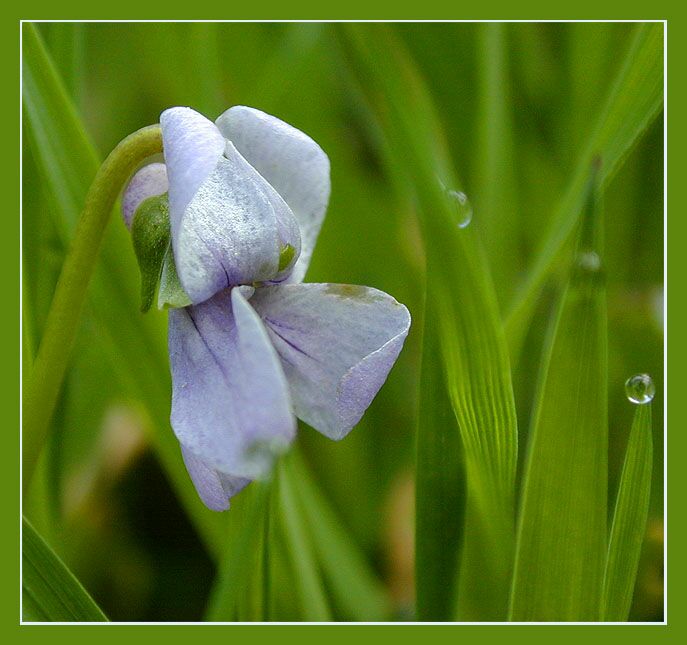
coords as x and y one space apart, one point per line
148 181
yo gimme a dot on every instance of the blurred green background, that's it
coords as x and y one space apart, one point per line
109 497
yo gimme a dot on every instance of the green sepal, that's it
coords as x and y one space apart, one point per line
150 234
171 294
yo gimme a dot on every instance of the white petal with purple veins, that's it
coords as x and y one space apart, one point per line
149 181
230 403
231 231
214 488
291 162
192 146
337 344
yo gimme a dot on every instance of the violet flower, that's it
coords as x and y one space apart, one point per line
255 346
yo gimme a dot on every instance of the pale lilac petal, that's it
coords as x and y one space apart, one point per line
149 181
337 344
192 146
230 400
214 487
231 231
291 162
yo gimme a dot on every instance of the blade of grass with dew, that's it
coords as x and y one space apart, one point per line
305 572
500 222
50 592
561 543
354 587
67 161
629 519
495 183
241 552
635 99
461 306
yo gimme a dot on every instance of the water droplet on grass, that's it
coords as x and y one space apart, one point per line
640 389
589 261
462 207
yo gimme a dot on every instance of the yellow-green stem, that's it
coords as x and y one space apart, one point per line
43 387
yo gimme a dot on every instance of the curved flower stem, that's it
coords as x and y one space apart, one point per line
42 389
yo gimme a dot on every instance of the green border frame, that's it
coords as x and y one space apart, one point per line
676 40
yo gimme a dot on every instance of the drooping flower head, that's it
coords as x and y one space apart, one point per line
253 346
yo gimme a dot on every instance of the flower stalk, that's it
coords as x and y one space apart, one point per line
43 387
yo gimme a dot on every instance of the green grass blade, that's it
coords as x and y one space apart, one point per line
241 554
635 99
496 192
355 590
562 529
629 519
461 306
67 161
306 578
50 592
67 44
440 485
60 146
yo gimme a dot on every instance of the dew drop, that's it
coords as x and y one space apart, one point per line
589 261
640 389
462 206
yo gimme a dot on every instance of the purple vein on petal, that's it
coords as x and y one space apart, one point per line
202 338
271 324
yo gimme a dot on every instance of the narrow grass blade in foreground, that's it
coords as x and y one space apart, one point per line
50 592
629 519
305 573
67 44
635 99
355 590
496 190
461 309
562 527
440 486
52 122
242 546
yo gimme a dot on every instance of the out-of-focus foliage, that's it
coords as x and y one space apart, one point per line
517 104
50 592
